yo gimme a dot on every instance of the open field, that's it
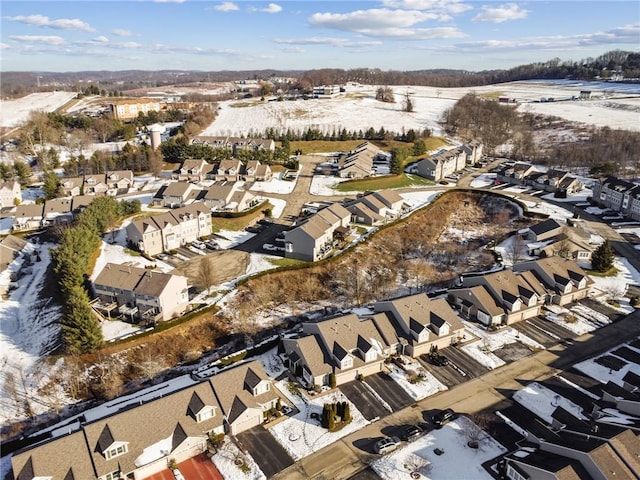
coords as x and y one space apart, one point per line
357 109
15 112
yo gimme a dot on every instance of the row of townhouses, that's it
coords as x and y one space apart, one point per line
359 162
551 180
139 440
350 345
437 166
509 296
230 170
317 235
221 196
170 230
618 195
140 294
32 216
236 144
238 398
110 183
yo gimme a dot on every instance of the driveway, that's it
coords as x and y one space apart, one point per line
464 361
389 391
365 401
539 333
265 450
448 375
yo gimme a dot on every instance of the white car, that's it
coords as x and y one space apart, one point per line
199 244
269 247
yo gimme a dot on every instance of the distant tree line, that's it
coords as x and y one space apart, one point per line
73 259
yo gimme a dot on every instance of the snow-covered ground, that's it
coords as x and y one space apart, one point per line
15 112
424 384
300 435
540 400
458 461
225 458
357 109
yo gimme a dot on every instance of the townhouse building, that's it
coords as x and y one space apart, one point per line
170 230
28 217
191 170
436 167
473 151
141 294
315 237
373 208
123 446
618 195
236 144
422 323
358 163
346 346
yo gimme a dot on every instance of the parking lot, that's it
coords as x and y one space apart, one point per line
364 400
265 450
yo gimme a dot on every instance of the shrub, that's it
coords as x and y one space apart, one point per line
332 380
570 318
635 301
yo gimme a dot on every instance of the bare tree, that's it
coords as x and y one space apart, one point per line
205 274
417 464
474 427
515 249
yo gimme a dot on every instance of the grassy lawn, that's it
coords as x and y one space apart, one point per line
612 272
238 223
384 182
287 262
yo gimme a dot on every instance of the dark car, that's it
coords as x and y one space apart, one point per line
411 433
445 416
439 360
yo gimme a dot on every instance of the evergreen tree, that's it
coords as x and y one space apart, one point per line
602 258
80 327
51 185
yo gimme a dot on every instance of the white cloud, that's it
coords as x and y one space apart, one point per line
334 41
47 39
168 1
60 24
101 39
450 6
290 49
226 7
627 34
272 8
369 20
503 13
3 46
119 32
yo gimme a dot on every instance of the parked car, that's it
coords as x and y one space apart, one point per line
199 244
269 247
386 445
212 245
445 416
412 432
438 360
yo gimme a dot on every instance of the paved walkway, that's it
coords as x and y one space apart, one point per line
348 456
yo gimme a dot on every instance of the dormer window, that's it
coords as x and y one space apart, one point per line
117 449
261 388
206 413
347 362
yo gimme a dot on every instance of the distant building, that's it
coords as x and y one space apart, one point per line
9 193
130 108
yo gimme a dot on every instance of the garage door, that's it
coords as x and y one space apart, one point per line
245 423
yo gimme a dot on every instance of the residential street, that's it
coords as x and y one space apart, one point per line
352 453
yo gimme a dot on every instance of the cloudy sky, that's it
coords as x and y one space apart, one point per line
240 35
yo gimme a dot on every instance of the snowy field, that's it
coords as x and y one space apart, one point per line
457 462
15 112
357 109
224 461
300 435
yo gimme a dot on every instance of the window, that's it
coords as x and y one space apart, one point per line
513 474
115 475
116 451
206 414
